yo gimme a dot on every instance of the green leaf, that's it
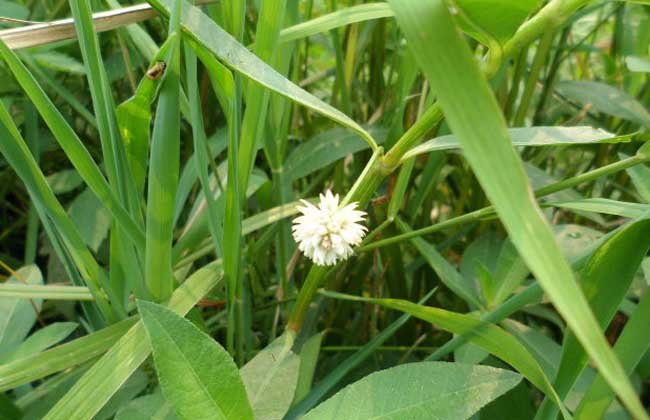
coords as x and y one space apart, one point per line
14 10
334 377
637 64
474 116
484 19
605 206
417 391
197 376
164 163
133 386
203 30
325 148
308 359
91 219
149 407
640 175
607 99
447 273
487 336
65 356
336 19
64 181
59 62
134 118
17 316
530 136
106 376
43 338
271 378
24 291
630 347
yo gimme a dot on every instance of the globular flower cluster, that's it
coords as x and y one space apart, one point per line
327 233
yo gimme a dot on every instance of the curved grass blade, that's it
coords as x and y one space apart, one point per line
203 30
342 17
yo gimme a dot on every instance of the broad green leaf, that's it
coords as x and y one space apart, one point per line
149 407
418 391
334 377
204 31
474 116
17 316
106 376
61 357
530 136
617 258
198 377
271 378
42 339
607 99
323 149
485 335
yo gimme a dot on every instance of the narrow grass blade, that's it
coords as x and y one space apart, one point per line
474 116
22 291
164 163
336 19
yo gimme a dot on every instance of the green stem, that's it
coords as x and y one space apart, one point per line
488 211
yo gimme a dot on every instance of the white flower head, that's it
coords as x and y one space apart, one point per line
327 233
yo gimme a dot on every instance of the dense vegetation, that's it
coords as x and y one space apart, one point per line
150 173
